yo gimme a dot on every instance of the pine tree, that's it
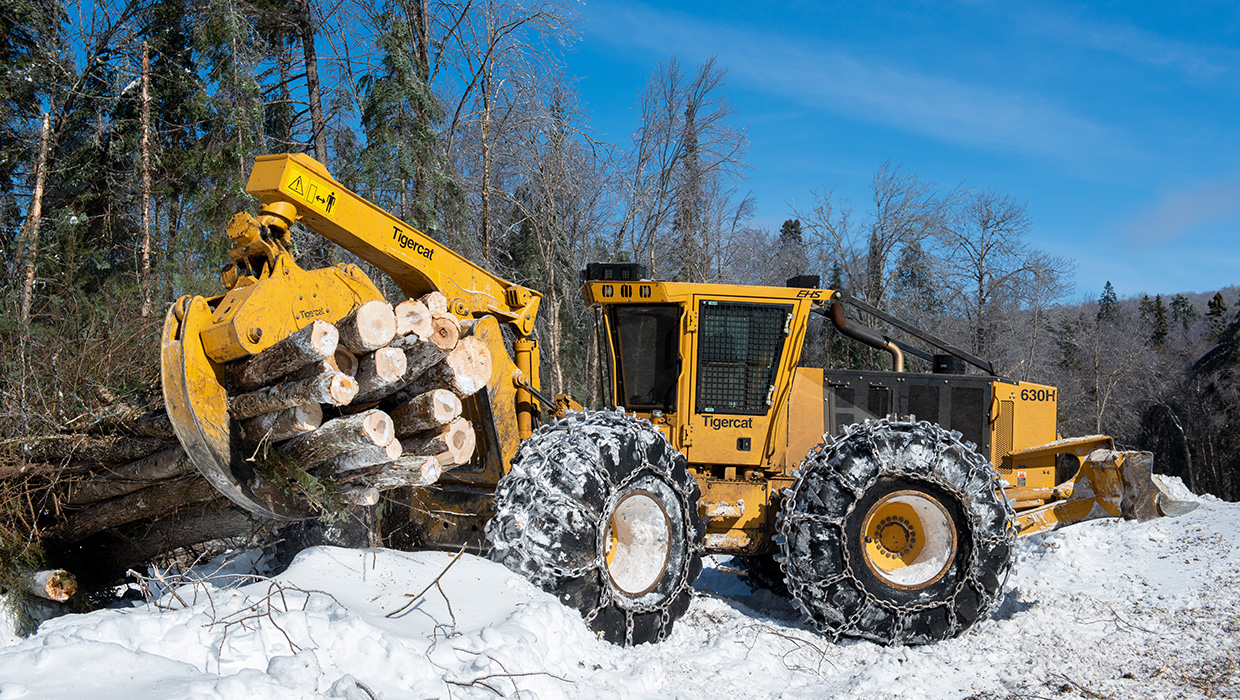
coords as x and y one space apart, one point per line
1216 311
1108 305
1183 311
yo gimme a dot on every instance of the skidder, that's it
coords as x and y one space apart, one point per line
891 498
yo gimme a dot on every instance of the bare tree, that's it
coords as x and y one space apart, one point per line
988 266
682 144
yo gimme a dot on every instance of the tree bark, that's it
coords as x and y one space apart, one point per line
409 470
312 343
145 275
33 219
318 126
135 476
282 425
361 458
329 387
371 326
151 502
341 436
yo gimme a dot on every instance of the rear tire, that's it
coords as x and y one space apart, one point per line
599 509
896 532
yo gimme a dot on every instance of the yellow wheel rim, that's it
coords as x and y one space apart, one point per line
908 539
638 543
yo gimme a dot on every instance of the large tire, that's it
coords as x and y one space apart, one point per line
897 532
599 509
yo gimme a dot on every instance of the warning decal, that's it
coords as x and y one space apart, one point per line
314 192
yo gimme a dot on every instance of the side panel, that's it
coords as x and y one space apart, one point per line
805 418
1023 415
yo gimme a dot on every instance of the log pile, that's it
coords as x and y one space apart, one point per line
368 404
379 421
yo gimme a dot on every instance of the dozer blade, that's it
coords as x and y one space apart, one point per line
198 408
1109 484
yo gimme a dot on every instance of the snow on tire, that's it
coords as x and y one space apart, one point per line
898 532
599 509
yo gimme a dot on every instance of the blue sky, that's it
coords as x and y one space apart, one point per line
1118 124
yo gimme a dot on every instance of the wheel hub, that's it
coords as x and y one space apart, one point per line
638 544
909 539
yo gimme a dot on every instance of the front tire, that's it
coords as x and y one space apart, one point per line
896 532
599 509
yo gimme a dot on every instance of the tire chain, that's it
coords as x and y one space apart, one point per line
789 516
617 418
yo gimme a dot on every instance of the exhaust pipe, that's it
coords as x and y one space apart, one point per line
867 336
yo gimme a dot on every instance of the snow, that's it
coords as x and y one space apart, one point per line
1108 608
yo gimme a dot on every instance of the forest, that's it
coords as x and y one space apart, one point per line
128 128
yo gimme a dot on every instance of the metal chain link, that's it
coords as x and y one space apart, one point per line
864 431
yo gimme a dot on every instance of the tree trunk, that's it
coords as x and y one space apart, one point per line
409 470
318 126
151 502
412 317
340 436
135 476
452 445
145 275
282 425
312 343
361 458
33 218
104 449
380 369
464 371
429 411
329 387
50 584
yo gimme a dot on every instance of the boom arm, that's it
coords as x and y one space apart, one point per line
415 262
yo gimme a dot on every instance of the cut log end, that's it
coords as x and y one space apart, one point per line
51 584
371 326
413 317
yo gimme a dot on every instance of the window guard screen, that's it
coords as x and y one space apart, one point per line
739 346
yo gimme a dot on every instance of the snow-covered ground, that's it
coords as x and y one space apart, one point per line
1105 609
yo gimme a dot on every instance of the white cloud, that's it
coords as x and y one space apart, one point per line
826 79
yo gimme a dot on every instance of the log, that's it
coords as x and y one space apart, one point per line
371 326
281 425
51 584
328 387
44 470
379 370
114 418
106 449
155 424
463 371
445 331
151 502
412 317
360 458
311 343
135 476
344 361
452 444
436 302
340 436
360 494
423 355
409 470
105 558
430 411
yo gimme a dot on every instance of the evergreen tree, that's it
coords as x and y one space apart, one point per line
1154 313
1216 311
791 258
1183 311
1108 304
